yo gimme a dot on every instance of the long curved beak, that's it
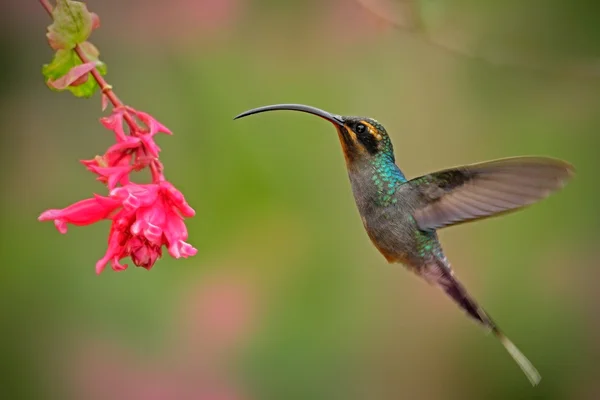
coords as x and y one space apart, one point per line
333 118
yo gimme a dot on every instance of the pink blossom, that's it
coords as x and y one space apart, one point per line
112 169
148 217
142 138
153 125
83 212
129 143
114 122
144 217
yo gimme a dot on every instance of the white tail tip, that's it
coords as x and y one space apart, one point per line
532 374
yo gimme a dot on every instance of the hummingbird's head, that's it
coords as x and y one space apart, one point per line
361 138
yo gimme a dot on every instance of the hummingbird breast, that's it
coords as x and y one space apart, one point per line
387 215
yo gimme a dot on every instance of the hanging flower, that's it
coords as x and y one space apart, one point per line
144 219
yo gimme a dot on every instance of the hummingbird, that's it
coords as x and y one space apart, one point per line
401 216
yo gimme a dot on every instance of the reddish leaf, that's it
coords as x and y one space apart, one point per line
95 21
75 77
65 62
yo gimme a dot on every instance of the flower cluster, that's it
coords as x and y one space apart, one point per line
144 216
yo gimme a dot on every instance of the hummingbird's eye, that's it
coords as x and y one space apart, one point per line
360 128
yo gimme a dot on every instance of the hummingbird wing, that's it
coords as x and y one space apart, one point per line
475 191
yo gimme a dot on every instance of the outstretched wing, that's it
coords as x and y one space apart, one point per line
486 189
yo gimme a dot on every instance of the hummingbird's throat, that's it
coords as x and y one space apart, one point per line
351 148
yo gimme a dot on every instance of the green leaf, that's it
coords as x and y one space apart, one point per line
64 60
73 24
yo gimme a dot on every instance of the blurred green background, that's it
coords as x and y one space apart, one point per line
287 298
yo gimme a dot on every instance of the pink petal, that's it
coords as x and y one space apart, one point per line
150 145
122 221
131 203
146 195
116 264
138 226
113 175
117 177
114 122
153 234
174 228
107 201
83 212
121 193
155 215
149 222
153 125
124 180
101 264
111 251
187 250
128 143
182 249
88 163
116 241
108 171
118 158
177 198
61 225
176 233
72 76
174 250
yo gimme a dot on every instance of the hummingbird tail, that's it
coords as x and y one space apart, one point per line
445 278
532 374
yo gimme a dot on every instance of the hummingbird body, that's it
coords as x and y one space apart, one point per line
401 216
387 201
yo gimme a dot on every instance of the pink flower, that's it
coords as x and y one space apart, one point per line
139 136
112 169
83 212
144 218
153 125
114 122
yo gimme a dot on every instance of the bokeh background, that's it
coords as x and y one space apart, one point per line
287 298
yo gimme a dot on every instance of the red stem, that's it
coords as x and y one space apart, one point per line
112 97
47 6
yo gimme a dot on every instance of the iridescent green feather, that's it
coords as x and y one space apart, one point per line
386 174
